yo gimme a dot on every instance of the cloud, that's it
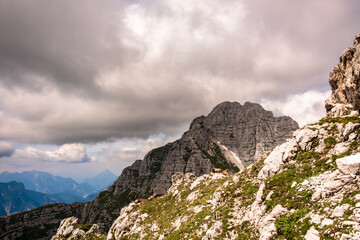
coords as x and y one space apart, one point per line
305 108
81 161
94 71
67 153
6 149
128 150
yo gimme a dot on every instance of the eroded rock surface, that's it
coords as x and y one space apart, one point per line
345 83
69 229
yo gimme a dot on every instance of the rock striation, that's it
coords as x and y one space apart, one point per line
345 83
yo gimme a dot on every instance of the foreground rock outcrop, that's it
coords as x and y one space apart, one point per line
345 83
71 230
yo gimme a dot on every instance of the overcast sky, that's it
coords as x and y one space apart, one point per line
91 84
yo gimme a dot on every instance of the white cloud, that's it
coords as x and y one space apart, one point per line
305 108
67 153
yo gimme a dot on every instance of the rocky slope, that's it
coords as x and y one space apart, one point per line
306 188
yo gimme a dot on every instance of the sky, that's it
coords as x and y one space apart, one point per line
89 85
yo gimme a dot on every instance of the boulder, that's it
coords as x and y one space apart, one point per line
349 164
312 234
67 226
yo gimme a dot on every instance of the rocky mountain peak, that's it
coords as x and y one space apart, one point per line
248 130
345 83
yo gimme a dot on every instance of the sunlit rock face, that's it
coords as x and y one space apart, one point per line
345 83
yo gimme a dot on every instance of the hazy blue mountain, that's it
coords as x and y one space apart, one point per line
15 198
67 197
47 183
102 181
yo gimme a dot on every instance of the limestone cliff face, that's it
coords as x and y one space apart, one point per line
249 130
345 83
232 136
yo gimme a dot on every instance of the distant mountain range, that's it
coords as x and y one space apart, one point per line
31 189
102 180
15 198
47 183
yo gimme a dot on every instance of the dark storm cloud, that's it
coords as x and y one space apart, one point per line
61 42
89 71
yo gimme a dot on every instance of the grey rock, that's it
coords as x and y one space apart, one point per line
349 164
267 228
248 130
68 229
339 148
345 84
327 222
312 234
67 226
349 129
339 211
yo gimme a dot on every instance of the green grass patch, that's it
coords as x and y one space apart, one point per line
330 142
84 227
93 237
247 231
291 227
307 164
342 120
